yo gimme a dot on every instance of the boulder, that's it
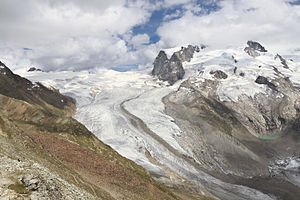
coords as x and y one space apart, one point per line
218 74
264 81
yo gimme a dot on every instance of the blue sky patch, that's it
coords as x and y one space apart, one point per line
156 19
151 26
175 12
295 2
209 7
125 68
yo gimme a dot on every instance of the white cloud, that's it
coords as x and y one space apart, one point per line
44 20
168 3
139 40
71 33
273 22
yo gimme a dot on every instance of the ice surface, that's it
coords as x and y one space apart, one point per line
150 109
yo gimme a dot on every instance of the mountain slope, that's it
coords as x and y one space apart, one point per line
241 124
45 153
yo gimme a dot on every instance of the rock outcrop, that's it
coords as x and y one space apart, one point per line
219 74
264 81
171 70
187 53
256 46
253 48
282 60
32 69
251 52
17 87
239 138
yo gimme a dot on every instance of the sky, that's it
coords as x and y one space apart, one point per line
128 34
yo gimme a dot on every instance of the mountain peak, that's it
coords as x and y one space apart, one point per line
171 69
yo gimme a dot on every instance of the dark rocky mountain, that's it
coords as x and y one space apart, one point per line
171 70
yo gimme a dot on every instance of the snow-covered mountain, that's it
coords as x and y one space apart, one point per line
222 127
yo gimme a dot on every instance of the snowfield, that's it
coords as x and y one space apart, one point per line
242 71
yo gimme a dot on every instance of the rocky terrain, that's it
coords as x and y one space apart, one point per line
46 154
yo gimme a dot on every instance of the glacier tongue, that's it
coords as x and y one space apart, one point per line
149 108
99 97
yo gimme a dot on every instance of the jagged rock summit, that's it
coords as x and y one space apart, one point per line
166 69
256 46
171 70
